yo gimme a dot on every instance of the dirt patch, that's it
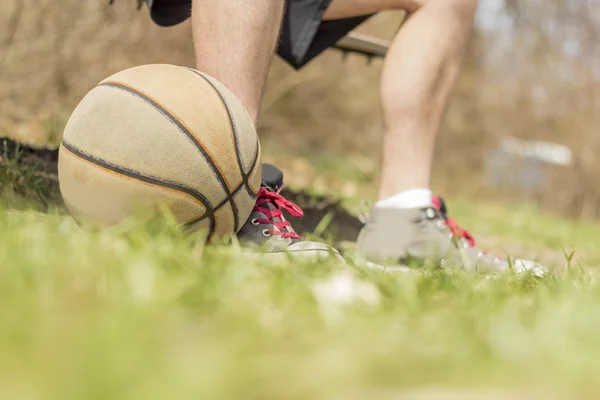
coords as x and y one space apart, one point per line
34 176
46 158
28 176
344 226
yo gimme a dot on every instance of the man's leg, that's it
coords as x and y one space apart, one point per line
235 41
419 72
418 75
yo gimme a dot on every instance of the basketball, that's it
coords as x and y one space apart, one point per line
158 136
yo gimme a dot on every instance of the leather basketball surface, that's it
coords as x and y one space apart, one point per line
161 135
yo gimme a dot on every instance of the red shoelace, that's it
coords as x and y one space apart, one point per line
281 203
455 229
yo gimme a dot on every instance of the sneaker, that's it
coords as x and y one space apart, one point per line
267 229
396 236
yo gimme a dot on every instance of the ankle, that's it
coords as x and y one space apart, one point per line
413 198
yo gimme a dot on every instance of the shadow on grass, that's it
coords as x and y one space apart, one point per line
28 176
32 174
344 227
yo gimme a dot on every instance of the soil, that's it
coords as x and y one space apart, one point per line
344 227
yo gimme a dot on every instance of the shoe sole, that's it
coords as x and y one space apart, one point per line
320 255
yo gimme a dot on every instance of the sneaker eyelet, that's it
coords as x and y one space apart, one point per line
266 233
441 224
430 213
254 221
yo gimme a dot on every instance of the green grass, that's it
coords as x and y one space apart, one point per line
22 178
147 313
151 314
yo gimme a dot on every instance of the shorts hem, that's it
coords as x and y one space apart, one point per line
308 35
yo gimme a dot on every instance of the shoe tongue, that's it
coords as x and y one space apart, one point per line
272 177
440 204
276 220
271 206
272 180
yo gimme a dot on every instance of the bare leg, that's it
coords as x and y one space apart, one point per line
234 42
418 76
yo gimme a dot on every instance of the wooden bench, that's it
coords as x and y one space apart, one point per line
366 45
363 44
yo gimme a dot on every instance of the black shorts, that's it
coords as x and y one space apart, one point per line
304 35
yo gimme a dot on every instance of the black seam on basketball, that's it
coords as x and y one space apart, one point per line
245 176
252 195
254 162
236 216
209 213
195 221
178 124
233 194
237 189
211 226
236 138
189 135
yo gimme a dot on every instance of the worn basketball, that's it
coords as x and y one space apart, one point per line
159 136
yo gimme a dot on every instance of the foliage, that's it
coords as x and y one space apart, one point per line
153 314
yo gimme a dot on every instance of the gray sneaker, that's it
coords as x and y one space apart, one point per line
267 229
394 236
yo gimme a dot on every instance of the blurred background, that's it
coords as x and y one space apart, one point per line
521 126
